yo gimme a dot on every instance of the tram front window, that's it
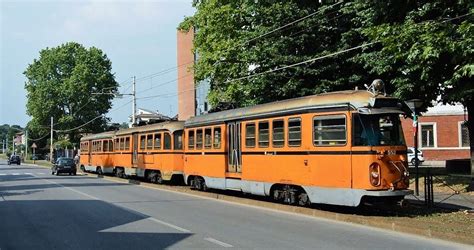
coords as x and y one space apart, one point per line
377 130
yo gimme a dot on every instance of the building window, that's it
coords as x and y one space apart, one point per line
278 136
294 132
191 139
167 141
250 135
263 137
329 130
217 138
157 141
427 135
463 135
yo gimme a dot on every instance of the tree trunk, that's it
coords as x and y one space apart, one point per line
470 126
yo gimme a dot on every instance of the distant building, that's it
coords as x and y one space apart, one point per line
145 116
192 96
442 133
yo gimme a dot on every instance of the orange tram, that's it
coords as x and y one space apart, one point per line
336 148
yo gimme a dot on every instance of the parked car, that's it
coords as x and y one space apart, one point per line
64 165
14 159
411 156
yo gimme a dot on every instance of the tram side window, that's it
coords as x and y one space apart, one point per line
208 138
157 141
106 145
329 130
294 132
217 138
178 140
167 141
191 139
142 142
111 145
278 139
250 135
127 143
121 146
263 138
149 141
199 139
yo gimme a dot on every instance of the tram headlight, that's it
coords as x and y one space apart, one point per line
374 174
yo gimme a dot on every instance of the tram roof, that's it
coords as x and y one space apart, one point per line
169 125
103 135
351 99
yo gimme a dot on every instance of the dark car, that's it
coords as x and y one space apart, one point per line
14 159
64 165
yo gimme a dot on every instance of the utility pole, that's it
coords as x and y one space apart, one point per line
134 105
51 142
13 140
26 144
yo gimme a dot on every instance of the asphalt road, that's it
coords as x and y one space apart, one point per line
42 211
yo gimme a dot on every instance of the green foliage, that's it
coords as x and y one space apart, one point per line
7 132
419 48
227 50
60 84
63 144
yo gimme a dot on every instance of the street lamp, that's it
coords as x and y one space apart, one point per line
415 105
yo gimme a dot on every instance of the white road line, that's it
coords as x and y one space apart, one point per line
2 174
41 173
128 209
15 174
169 225
218 242
29 173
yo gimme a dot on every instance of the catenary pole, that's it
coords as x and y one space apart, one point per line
51 142
134 105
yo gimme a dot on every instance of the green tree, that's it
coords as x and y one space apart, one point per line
60 84
425 49
229 46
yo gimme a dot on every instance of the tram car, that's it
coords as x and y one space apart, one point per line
337 148
154 152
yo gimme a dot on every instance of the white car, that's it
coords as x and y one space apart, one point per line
411 156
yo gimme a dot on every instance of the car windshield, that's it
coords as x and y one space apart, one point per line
65 161
378 130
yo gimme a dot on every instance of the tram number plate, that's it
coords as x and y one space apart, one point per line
391 152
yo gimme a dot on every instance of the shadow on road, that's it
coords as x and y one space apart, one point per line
84 224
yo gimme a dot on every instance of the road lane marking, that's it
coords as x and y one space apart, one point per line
169 225
125 208
41 173
2 174
29 173
218 242
15 174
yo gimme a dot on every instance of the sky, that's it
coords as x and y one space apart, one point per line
139 37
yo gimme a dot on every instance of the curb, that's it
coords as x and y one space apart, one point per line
344 218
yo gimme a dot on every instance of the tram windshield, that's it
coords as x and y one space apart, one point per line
377 130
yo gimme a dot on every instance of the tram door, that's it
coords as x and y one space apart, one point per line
234 147
135 150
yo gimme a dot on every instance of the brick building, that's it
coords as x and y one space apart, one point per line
192 96
442 134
